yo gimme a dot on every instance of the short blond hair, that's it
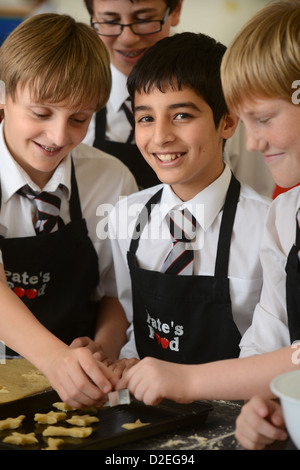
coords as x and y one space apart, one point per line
58 58
263 59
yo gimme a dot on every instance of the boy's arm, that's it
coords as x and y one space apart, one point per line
111 327
151 380
110 334
69 371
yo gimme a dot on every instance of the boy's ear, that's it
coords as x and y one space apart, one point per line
229 123
175 15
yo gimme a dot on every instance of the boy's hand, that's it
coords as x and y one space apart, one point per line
151 380
120 366
78 378
93 346
260 423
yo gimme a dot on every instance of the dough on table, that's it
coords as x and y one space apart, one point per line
82 420
60 405
11 423
135 425
19 378
71 432
21 439
54 444
49 418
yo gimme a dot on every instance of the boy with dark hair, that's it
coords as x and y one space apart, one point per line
128 28
196 312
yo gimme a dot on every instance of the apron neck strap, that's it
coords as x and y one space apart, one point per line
75 206
100 124
229 210
142 220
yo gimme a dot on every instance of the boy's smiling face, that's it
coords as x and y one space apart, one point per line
273 128
177 136
40 135
126 49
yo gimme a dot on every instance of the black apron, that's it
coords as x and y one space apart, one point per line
293 290
55 274
186 319
129 154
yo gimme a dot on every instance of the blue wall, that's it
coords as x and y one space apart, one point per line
7 25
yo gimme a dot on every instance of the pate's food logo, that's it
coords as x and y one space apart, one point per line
167 335
28 286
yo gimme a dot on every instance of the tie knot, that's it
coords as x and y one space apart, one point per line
53 199
182 225
47 205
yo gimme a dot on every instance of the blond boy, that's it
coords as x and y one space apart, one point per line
56 74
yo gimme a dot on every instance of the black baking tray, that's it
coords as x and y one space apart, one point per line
108 433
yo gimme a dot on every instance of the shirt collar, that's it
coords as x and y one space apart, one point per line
13 177
119 92
205 206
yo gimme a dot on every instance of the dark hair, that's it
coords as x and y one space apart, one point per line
183 60
172 4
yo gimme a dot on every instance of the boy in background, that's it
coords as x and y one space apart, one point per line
127 28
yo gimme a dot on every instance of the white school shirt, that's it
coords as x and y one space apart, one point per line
245 271
269 329
117 125
101 179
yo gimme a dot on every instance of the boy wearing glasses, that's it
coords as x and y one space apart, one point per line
127 28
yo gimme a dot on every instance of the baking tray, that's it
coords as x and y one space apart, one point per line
108 433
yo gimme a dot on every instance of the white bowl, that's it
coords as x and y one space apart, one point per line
287 388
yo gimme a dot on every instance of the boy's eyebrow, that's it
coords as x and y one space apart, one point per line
137 12
185 104
39 104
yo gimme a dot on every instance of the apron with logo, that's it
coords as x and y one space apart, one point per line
186 319
55 274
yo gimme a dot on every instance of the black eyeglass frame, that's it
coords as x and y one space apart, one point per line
161 23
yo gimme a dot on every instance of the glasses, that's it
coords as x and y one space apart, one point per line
140 28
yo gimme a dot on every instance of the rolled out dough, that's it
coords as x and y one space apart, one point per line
19 378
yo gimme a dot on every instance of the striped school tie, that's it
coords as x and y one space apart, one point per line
47 206
182 225
126 106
